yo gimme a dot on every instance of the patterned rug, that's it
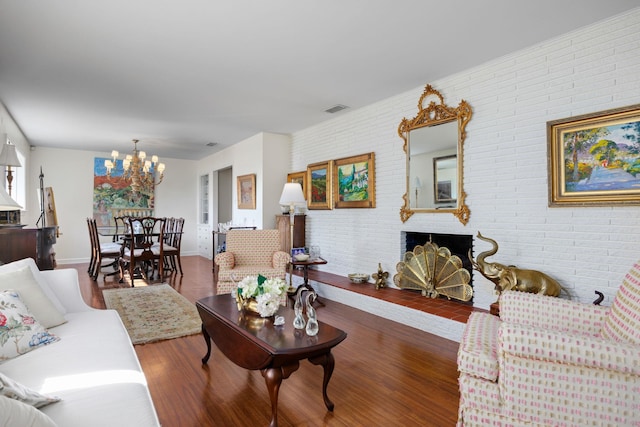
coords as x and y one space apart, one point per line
153 313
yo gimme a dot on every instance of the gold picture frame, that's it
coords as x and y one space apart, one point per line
594 159
319 185
300 178
354 181
246 191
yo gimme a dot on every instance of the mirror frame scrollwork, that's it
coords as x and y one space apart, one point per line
432 115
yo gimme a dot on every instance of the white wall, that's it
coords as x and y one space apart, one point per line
70 174
267 156
505 165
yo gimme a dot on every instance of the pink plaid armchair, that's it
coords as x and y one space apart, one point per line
249 253
551 362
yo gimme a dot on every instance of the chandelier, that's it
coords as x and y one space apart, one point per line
137 168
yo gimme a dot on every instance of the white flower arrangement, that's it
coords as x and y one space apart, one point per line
267 293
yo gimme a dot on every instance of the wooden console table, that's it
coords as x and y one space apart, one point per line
252 342
37 243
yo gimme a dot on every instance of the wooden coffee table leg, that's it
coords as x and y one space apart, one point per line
328 362
207 339
273 378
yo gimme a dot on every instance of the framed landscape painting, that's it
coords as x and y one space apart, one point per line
354 182
319 194
594 159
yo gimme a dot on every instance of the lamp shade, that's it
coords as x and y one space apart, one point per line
8 156
6 202
292 194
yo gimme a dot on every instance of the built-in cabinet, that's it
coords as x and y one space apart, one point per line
204 240
283 225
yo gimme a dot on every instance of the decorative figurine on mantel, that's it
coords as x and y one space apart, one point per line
510 277
380 277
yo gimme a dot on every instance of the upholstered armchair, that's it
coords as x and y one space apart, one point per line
551 362
249 253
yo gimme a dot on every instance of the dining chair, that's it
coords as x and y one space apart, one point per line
101 251
173 240
121 224
143 247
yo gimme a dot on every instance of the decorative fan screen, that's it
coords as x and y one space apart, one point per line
434 271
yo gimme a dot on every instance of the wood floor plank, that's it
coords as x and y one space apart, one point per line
386 373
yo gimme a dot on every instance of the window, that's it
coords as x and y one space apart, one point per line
204 199
19 192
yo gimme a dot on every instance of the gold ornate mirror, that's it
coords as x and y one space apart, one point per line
433 144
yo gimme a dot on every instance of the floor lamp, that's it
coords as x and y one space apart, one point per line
292 196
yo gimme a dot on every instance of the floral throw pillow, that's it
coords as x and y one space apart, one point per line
19 331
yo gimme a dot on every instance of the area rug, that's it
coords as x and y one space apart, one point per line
153 313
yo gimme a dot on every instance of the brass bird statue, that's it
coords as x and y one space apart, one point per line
380 277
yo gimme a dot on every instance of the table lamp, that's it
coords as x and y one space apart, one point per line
9 158
292 196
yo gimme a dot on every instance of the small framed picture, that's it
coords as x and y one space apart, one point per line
246 191
297 251
319 191
299 178
354 181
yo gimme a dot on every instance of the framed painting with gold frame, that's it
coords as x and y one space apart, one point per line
300 178
319 187
594 159
246 191
354 182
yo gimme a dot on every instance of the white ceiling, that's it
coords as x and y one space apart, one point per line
180 74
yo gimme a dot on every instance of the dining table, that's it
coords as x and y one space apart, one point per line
120 235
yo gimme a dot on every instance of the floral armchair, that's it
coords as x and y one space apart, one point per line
249 253
552 362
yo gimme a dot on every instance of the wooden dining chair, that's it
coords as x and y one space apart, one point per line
121 225
143 248
173 240
101 251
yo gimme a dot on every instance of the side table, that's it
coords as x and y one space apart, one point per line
305 273
305 267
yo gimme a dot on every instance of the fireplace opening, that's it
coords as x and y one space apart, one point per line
458 244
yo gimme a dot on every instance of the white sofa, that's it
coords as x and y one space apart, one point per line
93 368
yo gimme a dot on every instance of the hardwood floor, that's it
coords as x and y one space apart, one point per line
386 374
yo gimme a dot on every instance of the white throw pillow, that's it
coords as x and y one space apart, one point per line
29 262
23 282
15 413
14 390
20 332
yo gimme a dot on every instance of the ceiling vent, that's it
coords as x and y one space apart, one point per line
335 108
211 144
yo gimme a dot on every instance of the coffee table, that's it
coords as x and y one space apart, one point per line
255 343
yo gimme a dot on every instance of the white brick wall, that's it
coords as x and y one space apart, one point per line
505 164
